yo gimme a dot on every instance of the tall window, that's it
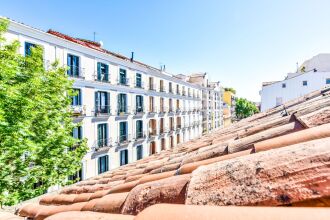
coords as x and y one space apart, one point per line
139 103
122 103
77 132
170 87
151 83
327 81
102 72
103 164
102 101
170 105
28 46
73 65
138 82
102 135
122 77
177 89
161 104
283 85
151 104
76 99
123 157
123 131
139 152
139 129
161 86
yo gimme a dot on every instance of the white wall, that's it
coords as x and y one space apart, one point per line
294 88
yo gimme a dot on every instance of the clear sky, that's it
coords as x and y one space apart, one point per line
239 43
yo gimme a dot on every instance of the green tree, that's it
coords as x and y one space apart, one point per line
244 108
37 149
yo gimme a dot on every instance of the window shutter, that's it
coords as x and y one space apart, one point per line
99 71
97 102
108 102
106 72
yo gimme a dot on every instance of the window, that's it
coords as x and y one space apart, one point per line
161 86
76 99
122 103
73 65
151 104
139 103
77 132
327 81
139 152
102 101
283 85
122 77
123 157
151 83
304 83
77 176
138 80
177 89
102 72
170 87
123 131
28 46
139 129
103 164
279 101
102 135
170 105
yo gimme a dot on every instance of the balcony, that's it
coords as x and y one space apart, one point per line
102 143
102 77
123 111
152 87
152 132
123 139
123 81
102 110
162 89
170 110
139 85
78 110
140 135
139 110
76 72
178 110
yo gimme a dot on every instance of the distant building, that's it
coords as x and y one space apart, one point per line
212 114
312 75
228 107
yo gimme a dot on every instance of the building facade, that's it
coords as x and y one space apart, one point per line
127 110
228 108
312 75
212 103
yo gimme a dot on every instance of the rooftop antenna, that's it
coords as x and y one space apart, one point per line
94 34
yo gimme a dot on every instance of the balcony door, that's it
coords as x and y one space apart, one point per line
122 103
123 131
102 72
139 103
102 101
73 65
102 135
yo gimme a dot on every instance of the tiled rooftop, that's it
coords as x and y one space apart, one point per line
276 158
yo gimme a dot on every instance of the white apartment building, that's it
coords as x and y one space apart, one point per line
212 103
312 75
127 110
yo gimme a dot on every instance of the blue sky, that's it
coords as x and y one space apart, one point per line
239 43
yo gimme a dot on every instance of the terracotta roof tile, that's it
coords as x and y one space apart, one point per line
88 216
226 167
178 212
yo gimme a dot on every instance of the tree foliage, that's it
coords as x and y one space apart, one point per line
244 108
37 149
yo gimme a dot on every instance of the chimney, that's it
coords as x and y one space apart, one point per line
132 57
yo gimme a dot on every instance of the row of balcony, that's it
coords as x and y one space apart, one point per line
106 110
139 136
77 72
